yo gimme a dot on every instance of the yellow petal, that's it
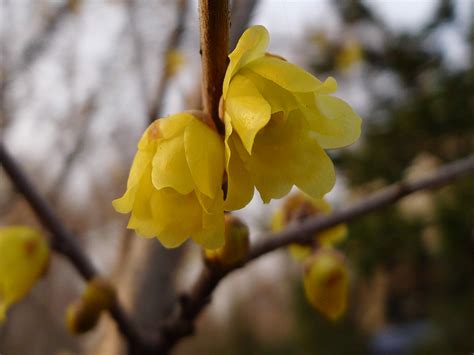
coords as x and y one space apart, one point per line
173 125
211 236
284 154
248 110
170 167
287 75
239 185
252 45
139 166
205 157
332 236
278 98
326 282
313 170
338 125
179 216
144 227
332 120
300 252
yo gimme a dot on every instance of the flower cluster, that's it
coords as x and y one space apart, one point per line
278 120
174 188
325 277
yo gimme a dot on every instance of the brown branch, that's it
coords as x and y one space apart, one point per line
64 242
181 323
214 23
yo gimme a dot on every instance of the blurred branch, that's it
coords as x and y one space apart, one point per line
85 113
192 303
64 242
38 43
214 25
156 107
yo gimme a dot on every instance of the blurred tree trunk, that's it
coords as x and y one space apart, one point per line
145 278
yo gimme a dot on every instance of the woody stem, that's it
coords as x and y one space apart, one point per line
214 26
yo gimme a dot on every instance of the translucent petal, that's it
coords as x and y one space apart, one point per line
140 164
211 236
205 157
179 216
338 125
170 167
278 98
332 120
287 75
273 153
252 45
239 185
248 110
174 125
284 154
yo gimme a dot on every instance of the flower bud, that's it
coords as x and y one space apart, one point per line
24 255
299 207
83 315
99 293
326 282
81 318
236 244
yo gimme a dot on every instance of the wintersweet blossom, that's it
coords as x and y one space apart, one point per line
326 282
298 207
278 121
174 188
24 256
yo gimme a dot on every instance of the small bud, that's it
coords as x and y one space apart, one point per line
24 255
99 293
236 244
299 207
83 315
80 318
326 282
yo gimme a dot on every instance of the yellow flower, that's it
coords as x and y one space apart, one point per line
299 207
24 256
278 121
174 188
326 282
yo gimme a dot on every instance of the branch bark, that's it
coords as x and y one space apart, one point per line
214 23
190 305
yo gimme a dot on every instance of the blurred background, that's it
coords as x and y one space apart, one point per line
81 79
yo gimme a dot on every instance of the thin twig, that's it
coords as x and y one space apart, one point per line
63 241
214 23
181 323
156 107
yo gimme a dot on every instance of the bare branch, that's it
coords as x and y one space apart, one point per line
214 23
190 305
64 242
